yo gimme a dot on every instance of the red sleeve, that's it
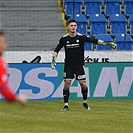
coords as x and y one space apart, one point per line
3 72
4 89
8 94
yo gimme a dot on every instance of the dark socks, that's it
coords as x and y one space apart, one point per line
84 93
66 94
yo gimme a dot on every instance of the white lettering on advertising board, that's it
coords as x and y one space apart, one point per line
120 86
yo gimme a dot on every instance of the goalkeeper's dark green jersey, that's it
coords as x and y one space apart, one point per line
74 48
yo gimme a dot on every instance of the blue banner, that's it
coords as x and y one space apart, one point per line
40 82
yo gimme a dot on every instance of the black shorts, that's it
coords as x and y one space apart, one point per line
71 72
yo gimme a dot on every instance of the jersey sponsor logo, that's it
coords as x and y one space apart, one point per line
81 76
77 41
72 45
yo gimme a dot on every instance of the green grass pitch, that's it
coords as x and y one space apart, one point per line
105 116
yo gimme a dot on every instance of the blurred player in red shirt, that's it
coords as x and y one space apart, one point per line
4 88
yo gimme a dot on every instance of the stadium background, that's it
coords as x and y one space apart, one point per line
37 25
33 28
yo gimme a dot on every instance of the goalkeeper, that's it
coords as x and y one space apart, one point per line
73 44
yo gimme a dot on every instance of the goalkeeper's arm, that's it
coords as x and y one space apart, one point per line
110 44
53 63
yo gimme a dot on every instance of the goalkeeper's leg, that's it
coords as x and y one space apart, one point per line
84 91
80 76
66 94
68 76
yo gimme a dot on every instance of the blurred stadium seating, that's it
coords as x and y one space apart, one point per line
73 7
124 41
108 18
31 24
38 24
131 22
98 24
92 6
118 23
112 6
128 6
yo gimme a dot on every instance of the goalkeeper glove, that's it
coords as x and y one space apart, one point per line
53 62
110 44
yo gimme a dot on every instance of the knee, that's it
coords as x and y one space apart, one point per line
83 84
67 83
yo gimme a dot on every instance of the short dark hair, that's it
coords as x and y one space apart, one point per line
2 33
71 21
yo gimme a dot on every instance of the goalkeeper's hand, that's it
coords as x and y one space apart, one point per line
110 44
53 62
